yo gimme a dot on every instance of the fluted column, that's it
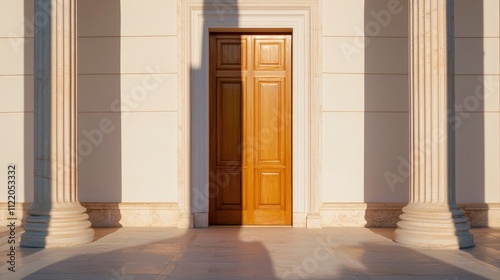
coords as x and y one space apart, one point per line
432 218
56 218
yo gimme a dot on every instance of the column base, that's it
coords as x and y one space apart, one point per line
428 226
59 227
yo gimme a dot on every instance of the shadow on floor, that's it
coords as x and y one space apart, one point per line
151 253
257 253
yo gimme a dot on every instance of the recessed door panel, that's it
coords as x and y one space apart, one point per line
269 190
230 195
269 114
231 53
229 121
270 53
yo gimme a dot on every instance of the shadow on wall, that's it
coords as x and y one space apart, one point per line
226 103
227 10
386 121
472 93
386 131
100 109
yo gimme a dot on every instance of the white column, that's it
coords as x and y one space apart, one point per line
56 218
432 218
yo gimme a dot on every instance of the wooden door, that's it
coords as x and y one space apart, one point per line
250 129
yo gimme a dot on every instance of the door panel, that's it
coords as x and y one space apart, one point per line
250 129
230 197
270 53
229 121
231 53
269 110
269 191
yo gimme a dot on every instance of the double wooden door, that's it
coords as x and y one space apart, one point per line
250 129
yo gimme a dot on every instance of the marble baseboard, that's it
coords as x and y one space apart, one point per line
139 214
482 214
129 214
360 214
20 212
112 214
387 214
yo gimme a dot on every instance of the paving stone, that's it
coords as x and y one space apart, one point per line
255 253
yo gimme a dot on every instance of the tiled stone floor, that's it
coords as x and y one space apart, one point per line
254 253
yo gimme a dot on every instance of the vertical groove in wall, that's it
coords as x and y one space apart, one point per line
60 112
426 113
450 101
423 118
59 96
53 96
429 120
434 63
74 109
441 123
414 85
442 118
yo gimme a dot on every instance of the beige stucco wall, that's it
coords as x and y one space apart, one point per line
365 97
365 100
128 64
128 92
477 75
16 96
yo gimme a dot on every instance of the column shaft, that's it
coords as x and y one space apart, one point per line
56 218
432 218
